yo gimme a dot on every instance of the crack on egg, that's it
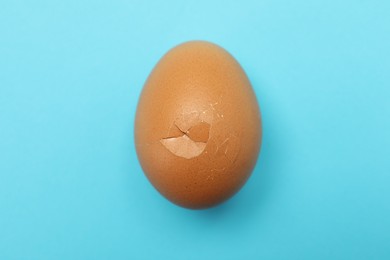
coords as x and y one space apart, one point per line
189 133
187 136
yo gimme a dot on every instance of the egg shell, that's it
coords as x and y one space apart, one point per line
198 126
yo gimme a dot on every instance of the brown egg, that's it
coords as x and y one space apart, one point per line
198 126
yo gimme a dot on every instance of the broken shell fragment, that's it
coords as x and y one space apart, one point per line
197 127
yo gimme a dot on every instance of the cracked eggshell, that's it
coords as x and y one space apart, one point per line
197 127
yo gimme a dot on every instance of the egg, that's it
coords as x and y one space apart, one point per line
197 128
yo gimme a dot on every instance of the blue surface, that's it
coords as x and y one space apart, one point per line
70 183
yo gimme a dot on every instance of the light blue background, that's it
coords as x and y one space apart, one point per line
70 183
